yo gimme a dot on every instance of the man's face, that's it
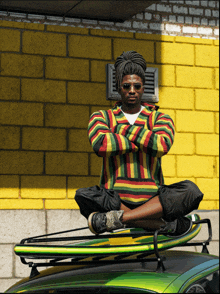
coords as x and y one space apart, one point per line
131 91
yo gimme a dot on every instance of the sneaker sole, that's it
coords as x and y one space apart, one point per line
90 223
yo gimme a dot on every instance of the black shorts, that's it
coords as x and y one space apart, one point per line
177 199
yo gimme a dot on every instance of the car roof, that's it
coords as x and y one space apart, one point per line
176 264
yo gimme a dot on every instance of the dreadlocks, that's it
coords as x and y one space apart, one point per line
129 63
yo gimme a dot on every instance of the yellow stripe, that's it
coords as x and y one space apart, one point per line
134 200
131 158
159 147
145 165
119 165
137 186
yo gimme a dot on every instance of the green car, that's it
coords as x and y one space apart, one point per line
139 270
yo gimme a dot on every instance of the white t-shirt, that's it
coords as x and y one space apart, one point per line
132 117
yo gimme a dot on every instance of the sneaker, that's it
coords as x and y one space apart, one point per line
105 222
178 228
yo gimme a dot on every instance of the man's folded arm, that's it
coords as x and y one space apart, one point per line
104 142
156 142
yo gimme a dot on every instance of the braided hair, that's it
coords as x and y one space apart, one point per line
129 63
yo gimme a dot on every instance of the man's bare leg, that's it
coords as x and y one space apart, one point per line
145 216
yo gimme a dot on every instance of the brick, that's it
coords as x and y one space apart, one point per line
209 187
19 113
67 29
169 166
204 31
90 47
145 48
217 166
217 122
154 37
95 165
43 90
21 65
44 43
166 75
140 25
216 42
43 187
194 121
204 3
170 181
10 137
110 33
207 56
195 11
189 30
207 99
83 93
78 141
43 139
172 27
21 204
9 40
22 25
9 88
177 98
21 162
61 204
191 77
195 166
67 68
207 144
9 186
63 163
156 26
98 73
208 205
6 260
183 144
125 24
217 78
97 108
75 183
180 9
67 116
188 19
169 53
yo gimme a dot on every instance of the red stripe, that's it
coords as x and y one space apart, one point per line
110 118
152 164
138 183
146 141
128 165
131 196
135 134
141 164
162 141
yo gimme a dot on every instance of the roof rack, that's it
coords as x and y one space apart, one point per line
100 259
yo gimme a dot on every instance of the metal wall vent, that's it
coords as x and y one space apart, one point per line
151 92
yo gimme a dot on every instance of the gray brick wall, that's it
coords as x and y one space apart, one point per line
168 17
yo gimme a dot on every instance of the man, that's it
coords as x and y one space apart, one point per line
131 138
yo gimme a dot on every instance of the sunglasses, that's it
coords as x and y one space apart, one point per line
127 86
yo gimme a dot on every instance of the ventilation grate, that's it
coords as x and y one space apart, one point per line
151 93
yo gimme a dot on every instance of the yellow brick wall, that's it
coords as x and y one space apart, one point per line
52 78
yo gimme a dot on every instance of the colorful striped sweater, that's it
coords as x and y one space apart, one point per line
131 153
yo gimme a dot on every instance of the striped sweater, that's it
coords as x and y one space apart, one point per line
131 153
